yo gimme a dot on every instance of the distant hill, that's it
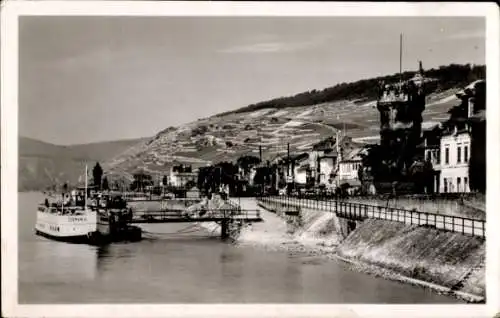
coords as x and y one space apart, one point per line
301 120
106 150
29 147
42 164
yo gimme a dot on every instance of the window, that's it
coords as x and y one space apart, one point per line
459 186
445 183
459 154
447 156
465 183
466 154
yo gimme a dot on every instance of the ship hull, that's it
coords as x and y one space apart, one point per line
86 227
77 239
76 228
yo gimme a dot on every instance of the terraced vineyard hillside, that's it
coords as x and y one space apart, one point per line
227 137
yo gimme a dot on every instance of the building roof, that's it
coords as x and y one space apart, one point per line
277 158
478 117
184 173
469 89
333 156
430 125
353 155
453 133
89 187
299 157
325 144
283 158
351 182
473 84
303 167
345 143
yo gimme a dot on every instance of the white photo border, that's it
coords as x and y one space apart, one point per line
11 10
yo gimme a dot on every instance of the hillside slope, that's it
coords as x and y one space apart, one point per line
227 137
43 164
447 77
101 151
300 120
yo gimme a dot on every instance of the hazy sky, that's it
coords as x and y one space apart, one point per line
86 79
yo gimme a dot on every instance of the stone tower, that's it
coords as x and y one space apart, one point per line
400 106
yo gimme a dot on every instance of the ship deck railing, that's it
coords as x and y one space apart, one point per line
72 209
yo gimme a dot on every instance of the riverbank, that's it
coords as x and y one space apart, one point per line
446 262
176 260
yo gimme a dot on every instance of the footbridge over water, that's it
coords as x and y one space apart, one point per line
227 218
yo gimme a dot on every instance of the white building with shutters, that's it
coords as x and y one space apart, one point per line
455 157
455 146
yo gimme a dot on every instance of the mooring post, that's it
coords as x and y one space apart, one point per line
224 231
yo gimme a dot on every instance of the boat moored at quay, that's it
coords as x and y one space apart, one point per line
82 217
67 219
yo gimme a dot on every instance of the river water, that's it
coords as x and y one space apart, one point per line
192 267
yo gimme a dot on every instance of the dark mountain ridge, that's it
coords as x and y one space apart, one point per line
450 76
42 164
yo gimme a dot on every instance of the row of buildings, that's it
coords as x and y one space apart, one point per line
330 163
453 149
457 148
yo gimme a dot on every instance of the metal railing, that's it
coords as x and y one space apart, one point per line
197 214
61 209
154 197
233 204
326 195
359 211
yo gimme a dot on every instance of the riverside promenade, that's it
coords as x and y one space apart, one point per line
359 211
445 261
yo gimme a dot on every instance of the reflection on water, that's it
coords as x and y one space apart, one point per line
102 253
58 262
294 279
178 264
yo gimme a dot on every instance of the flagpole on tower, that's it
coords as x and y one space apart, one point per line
401 57
86 173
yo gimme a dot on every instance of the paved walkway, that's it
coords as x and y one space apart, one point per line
450 223
272 231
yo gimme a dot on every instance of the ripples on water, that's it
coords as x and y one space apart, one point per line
181 263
